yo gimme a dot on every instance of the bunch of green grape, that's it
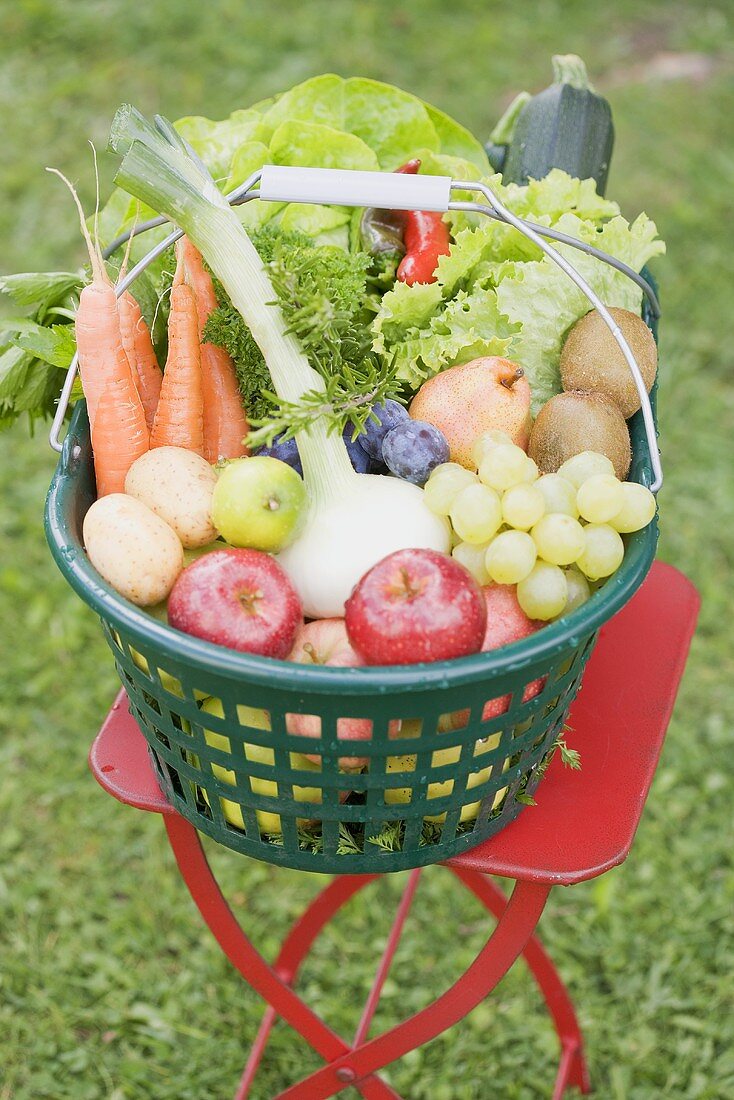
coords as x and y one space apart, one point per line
550 535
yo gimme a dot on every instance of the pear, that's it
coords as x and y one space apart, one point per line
483 395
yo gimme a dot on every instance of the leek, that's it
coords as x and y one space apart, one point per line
354 519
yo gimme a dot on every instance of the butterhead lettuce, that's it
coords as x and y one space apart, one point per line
324 122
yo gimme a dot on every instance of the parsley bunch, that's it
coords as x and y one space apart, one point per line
323 294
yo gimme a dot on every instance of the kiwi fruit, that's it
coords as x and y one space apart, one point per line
573 422
592 360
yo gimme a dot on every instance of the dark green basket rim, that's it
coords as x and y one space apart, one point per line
545 644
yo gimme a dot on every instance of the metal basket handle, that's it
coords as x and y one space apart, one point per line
335 186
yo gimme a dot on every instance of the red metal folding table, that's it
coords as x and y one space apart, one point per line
583 825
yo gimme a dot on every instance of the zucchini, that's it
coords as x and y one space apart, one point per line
500 138
565 126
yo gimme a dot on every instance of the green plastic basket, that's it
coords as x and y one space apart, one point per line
216 720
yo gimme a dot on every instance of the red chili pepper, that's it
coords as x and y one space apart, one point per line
426 237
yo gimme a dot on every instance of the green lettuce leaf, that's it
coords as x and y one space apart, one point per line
320 99
555 195
325 121
444 164
392 122
314 145
404 309
314 221
250 158
469 325
456 141
217 142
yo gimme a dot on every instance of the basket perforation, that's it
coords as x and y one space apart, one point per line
456 797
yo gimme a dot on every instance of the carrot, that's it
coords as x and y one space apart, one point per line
225 423
141 354
119 436
179 418
137 343
105 370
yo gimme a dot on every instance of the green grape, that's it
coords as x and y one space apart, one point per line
585 465
510 557
603 551
600 497
442 487
448 468
559 494
532 473
522 506
578 588
559 538
484 443
472 558
637 510
476 513
504 466
544 592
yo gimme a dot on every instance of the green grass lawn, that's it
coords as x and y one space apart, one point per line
110 987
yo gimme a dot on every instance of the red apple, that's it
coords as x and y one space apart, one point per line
237 598
325 642
506 622
416 605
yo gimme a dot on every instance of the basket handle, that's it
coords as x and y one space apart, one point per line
391 190
338 187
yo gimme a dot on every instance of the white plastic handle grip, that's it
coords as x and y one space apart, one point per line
337 186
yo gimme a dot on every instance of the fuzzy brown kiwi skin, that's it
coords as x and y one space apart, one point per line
573 422
592 361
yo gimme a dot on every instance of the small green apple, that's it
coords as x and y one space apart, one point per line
259 503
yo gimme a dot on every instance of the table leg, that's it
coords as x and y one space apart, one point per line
572 1069
293 951
357 1065
204 889
514 928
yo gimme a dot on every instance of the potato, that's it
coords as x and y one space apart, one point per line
134 550
177 485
